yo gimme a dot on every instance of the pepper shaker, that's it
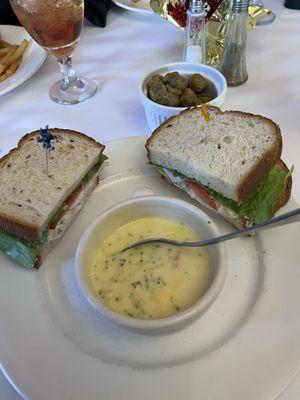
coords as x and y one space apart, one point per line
294 4
233 62
194 49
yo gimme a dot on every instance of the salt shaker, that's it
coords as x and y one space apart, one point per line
233 62
194 49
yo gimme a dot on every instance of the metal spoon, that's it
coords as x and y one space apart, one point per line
283 219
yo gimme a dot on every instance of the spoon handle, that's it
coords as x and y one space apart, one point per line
283 219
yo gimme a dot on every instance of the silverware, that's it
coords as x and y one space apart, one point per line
283 219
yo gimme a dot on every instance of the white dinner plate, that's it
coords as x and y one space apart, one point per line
54 345
33 58
141 6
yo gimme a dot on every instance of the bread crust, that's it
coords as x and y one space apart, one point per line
13 226
262 166
285 196
38 262
16 228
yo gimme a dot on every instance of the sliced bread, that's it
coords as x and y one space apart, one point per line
231 156
28 196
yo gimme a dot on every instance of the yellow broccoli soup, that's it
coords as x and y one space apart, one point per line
154 280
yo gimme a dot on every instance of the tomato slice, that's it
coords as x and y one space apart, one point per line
70 200
203 194
55 223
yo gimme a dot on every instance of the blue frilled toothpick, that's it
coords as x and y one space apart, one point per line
45 138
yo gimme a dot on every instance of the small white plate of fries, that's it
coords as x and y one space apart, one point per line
20 57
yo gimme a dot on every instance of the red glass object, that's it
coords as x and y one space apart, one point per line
178 10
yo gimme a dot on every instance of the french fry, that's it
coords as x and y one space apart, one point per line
4 44
4 51
14 54
20 51
10 58
11 70
4 61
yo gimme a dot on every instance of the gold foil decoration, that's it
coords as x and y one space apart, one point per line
256 13
216 29
216 26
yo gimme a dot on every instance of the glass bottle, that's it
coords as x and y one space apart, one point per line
194 49
233 62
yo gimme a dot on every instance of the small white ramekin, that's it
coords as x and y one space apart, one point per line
156 113
128 211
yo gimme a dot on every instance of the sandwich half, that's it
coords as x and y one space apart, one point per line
230 164
35 208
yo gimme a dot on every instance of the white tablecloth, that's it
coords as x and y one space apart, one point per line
119 55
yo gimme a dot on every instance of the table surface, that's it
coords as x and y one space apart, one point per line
118 57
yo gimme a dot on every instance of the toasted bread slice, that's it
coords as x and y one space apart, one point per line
230 157
28 196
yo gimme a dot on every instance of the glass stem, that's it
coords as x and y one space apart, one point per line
69 76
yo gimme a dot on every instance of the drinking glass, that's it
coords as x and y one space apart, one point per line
268 18
56 26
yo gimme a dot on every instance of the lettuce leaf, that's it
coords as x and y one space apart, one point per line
259 207
95 168
19 250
